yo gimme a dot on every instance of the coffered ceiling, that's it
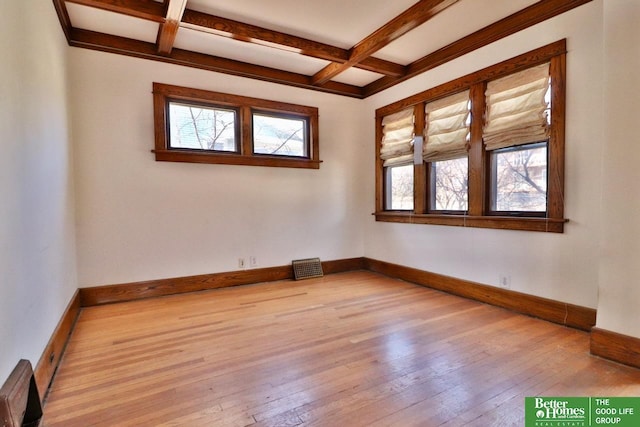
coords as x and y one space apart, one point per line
348 47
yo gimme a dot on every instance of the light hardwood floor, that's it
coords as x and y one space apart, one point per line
352 349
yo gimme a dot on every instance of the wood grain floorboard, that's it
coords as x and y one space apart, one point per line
350 349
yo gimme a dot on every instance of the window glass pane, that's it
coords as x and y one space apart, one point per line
400 187
520 178
450 185
202 128
279 136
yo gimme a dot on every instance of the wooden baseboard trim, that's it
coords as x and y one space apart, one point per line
48 363
161 287
554 311
609 345
617 347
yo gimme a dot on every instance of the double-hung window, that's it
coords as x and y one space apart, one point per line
484 150
445 150
516 135
396 153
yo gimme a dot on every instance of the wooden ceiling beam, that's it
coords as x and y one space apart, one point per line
204 22
200 21
144 9
139 49
251 33
63 17
411 18
394 73
525 18
169 28
381 66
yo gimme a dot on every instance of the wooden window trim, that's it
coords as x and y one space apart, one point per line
163 94
478 209
552 225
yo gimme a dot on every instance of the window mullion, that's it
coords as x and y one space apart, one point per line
419 174
246 126
477 165
380 179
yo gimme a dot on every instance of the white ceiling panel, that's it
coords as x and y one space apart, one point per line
337 22
226 47
459 20
358 77
116 24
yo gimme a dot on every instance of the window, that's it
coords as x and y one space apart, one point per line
519 179
200 126
518 114
446 145
396 155
449 181
280 135
493 151
400 187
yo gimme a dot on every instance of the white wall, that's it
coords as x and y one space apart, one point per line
563 267
37 242
139 219
618 307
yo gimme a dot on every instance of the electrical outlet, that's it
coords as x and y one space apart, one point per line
241 263
253 261
505 281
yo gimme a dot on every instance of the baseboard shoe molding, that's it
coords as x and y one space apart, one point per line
554 311
620 348
161 287
48 363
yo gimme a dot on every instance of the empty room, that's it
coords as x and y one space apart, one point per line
319 213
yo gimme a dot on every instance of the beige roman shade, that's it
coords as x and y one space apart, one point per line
397 138
517 112
447 128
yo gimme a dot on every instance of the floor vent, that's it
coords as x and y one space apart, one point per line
307 268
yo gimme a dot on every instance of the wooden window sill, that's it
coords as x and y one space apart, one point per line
551 225
234 159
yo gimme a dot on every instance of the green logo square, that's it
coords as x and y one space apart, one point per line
582 411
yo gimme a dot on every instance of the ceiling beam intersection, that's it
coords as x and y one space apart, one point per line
169 28
408 20
518 21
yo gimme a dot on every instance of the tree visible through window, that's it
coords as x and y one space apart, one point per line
202 128
400 191
450 180
520 181
279 135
